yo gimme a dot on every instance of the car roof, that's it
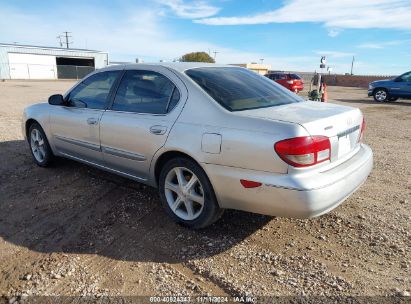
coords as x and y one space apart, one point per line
177 66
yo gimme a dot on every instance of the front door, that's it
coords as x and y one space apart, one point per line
401 86
406 84
76 127
145 107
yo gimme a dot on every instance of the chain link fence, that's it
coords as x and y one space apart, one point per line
42 71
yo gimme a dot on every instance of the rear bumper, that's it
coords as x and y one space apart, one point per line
302 195
370 92
297 88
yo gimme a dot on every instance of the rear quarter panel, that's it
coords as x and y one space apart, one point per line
283 82
245 142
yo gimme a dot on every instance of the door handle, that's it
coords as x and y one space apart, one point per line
158 130
92 121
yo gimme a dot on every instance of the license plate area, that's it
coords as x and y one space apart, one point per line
344 146
347 140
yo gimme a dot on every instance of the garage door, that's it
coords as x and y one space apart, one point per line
30 66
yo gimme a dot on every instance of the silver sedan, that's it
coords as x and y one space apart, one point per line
210 137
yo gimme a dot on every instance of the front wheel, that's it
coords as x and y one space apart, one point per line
187 194
39 145
381 95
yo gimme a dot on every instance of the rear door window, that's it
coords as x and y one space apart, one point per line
145 92
238 89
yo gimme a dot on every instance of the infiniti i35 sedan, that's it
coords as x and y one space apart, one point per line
209 137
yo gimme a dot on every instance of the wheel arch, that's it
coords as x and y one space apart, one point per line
28 124
380 88
43 125
165 157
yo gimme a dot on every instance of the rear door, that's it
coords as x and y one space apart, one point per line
76 128
146 105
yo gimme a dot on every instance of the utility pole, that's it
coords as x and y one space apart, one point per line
261 60
60 42
66 34
352 65
215 54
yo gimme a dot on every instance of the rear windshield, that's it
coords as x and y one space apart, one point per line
239 89
294 76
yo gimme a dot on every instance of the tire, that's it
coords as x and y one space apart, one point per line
187 194
39 146
381 95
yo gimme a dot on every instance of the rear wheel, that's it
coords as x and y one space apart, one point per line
39 145
187 195
381 95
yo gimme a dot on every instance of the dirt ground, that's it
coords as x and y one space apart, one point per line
74 230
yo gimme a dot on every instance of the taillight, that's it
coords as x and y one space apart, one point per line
362 130
290 81
304 151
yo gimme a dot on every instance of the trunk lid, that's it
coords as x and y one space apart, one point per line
341 124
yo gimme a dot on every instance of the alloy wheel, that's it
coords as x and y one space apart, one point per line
184 193
37 145
381 95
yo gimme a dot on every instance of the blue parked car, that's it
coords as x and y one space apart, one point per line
391 89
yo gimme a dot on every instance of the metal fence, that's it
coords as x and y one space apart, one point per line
43 71
73 71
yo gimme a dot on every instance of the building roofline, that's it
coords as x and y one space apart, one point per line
48 47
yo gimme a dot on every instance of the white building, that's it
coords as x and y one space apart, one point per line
259 68
39 62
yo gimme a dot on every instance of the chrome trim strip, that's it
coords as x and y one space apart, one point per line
79 143
125 154
136 113
103 167
348 131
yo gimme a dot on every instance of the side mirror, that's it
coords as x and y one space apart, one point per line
398 79
57 100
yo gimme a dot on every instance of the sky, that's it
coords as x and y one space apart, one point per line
290 35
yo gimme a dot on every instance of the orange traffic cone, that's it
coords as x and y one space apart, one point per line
324 96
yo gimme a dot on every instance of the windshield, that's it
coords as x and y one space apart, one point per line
238 89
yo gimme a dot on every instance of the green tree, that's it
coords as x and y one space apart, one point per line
197 57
